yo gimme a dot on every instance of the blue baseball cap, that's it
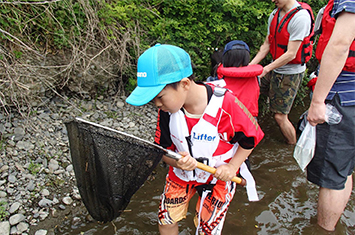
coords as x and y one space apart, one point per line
158 66
236 44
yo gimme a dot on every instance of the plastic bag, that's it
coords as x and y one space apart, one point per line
305 146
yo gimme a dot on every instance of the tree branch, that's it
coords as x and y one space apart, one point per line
22 43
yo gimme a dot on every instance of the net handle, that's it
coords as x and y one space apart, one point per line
204 167
212 170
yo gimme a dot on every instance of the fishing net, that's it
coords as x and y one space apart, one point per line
109 165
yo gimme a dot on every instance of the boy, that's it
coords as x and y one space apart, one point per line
202 123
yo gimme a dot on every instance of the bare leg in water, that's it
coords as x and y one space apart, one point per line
286 127
331 205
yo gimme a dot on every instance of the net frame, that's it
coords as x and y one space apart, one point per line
109 166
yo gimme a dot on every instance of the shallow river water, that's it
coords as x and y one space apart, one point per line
287 200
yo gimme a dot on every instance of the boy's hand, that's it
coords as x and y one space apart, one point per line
225 172
187 162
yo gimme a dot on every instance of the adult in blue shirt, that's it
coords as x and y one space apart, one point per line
334 159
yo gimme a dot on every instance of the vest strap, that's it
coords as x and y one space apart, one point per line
219 91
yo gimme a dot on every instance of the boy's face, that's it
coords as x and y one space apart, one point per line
170 99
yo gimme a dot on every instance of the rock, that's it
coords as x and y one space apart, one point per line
30 186
53 165
4 168
19 133
43 215
3 194
14 207
22 227
12 178
119 104
41 232
13 230
69 168
24 145
67 200
44 144
17 218
76 221
4 228
45 202
2 129
45 192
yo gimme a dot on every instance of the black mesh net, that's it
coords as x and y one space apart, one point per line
110 166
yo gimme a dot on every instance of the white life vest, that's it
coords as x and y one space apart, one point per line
204 139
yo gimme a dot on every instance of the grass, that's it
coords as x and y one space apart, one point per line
3 212
34 168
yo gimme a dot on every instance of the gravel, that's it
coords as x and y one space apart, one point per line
37 181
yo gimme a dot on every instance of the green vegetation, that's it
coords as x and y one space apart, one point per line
3 212
34 168
2 143
54 181
90 48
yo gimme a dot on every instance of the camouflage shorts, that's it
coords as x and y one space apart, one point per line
281 90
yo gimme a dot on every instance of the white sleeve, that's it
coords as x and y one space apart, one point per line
299 26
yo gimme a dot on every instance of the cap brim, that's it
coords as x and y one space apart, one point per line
142 95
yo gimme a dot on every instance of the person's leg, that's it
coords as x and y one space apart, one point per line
210 219
286 127
283 90
331 204
169 229
173 207
333 164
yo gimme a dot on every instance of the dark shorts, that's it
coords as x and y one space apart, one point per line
334 158
281 90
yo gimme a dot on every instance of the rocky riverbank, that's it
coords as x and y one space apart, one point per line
37 181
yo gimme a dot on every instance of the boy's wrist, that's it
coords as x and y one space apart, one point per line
234 167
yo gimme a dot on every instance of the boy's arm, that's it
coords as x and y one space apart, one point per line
187 162
227 171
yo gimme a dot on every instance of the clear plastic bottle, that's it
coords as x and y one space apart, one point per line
332 115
